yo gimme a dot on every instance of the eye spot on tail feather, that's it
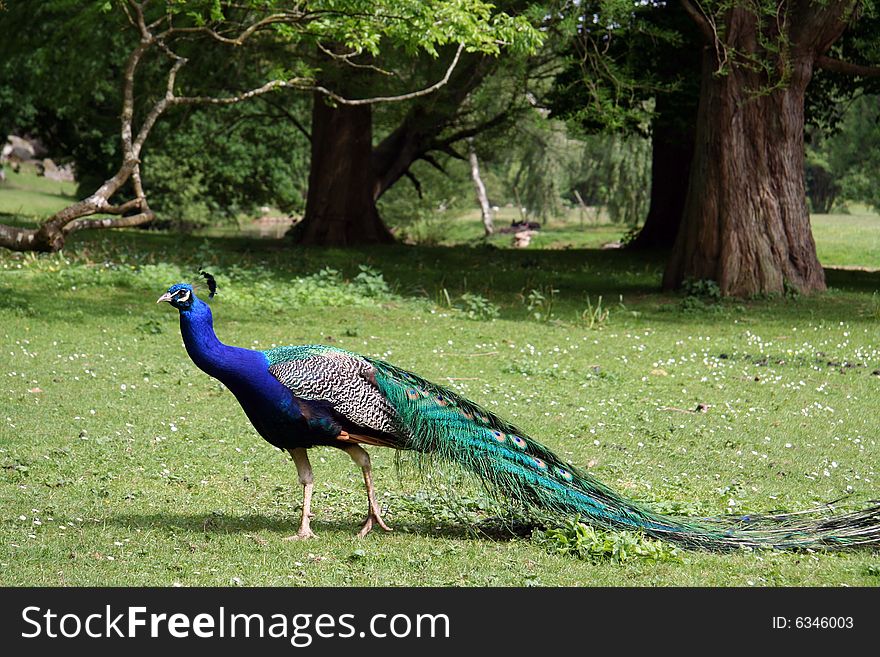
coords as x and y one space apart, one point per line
564 474
519 442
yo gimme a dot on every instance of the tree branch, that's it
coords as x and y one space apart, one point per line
121 222
847 68
244 35
415 181
272 85
467 133
391 99
700 18
434 163
346 59
296 122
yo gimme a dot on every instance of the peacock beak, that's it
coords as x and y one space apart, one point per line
165 297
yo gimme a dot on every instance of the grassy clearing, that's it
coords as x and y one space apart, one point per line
28 194
848 240
122 464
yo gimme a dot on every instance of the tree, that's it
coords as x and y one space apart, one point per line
177 31
631 71
347 178
746 224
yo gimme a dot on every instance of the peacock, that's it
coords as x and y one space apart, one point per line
299 397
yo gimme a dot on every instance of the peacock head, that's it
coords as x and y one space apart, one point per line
180 295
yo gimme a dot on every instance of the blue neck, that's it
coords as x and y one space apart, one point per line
231 365
270 406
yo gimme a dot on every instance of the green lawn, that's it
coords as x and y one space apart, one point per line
28 194
122 464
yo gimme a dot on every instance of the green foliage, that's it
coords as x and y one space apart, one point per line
539 303
216 164
843 166
371 283
702 289
538 165
700 296
615 172
478 307
576 539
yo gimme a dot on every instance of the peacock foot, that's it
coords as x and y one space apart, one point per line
303 534
368 524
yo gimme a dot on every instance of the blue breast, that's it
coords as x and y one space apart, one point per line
270 406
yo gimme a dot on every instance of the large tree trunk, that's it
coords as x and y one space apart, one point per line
340 206
672 149
347 175
746 224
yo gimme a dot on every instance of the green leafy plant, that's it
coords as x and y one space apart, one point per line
539 303
703 289
371 283
477 307
577 539
700 295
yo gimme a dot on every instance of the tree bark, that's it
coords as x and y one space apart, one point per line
746 224
672 149
340 205
480 189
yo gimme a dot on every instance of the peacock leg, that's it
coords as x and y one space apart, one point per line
359 455
304 470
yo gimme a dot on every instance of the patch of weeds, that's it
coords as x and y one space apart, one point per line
597 373
477 307
539 303
873 309
790 292
705 289
583 541
474 306
371 283
325 287
594 316
462 510
700 296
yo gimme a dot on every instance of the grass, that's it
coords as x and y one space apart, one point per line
122 464
26 193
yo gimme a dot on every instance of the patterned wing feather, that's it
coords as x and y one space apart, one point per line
344 380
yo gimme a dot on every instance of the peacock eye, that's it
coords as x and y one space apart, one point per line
183 296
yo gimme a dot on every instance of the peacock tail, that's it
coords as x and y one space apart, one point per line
513 465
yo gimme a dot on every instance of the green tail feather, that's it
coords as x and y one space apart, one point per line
513 465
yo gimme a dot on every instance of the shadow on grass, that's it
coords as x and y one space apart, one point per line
214 523
504 276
